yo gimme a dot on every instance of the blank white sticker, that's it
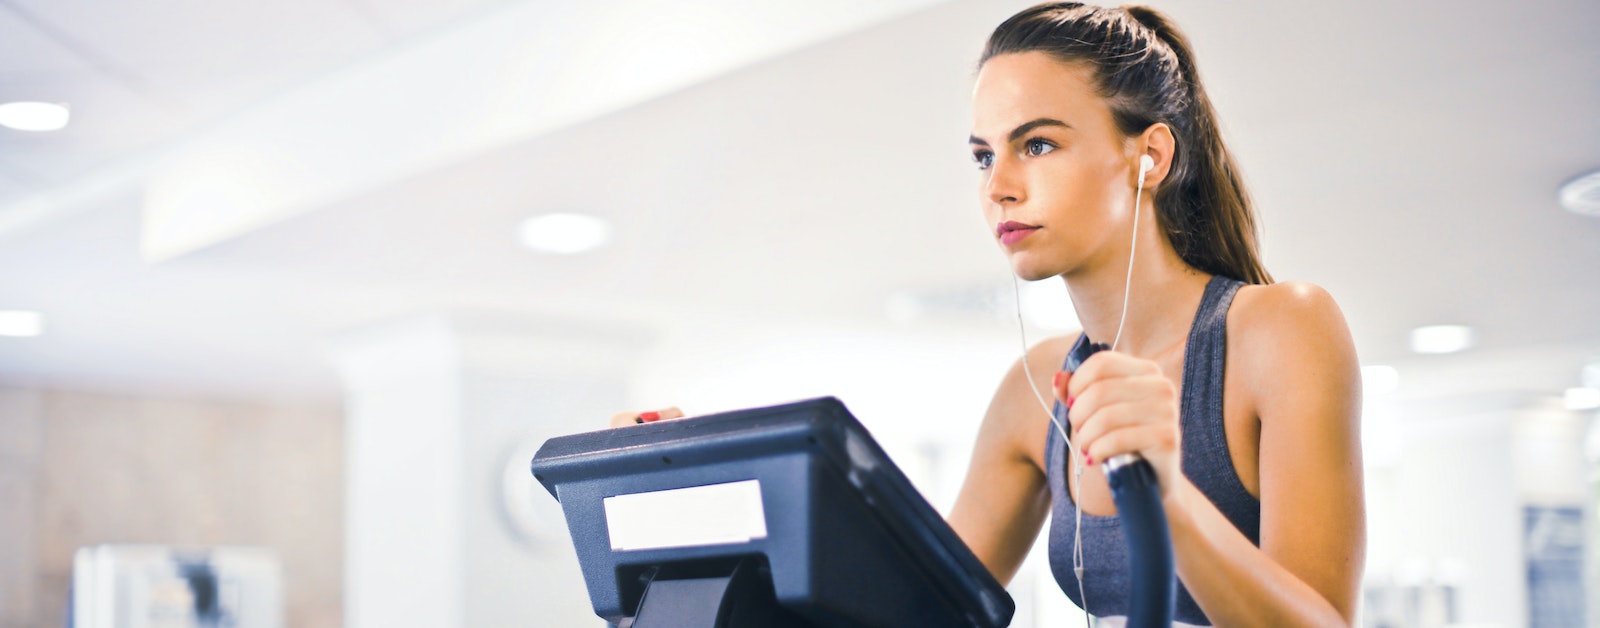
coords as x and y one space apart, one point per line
714 514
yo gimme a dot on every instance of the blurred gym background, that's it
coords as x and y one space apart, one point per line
292 289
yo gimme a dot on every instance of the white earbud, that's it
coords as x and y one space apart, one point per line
1146 164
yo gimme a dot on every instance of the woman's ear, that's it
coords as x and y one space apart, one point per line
1159 145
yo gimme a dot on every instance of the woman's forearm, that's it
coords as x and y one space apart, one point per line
1235 582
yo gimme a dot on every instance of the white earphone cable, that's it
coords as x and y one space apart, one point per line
1133 247
1145 164
1077 466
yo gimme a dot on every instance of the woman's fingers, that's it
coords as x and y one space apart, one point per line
1126 390
666 414
1133 439
1107 365
624 419
1120 404
1113 421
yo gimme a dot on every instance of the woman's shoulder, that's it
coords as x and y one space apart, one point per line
1273 311
1041 362
1288 333
1016 422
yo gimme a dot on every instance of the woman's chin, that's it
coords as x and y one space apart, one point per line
1035 263
1032 272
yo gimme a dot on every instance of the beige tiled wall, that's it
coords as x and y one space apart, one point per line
81 469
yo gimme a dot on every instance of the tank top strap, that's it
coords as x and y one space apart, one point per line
1207 461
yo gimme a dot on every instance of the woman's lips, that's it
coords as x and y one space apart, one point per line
1012 232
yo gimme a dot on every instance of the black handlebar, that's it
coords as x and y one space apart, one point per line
1153 597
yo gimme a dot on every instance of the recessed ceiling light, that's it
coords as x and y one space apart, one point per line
1582 195
563 233
1379 380
34 116
1582 398
21 323
1442 338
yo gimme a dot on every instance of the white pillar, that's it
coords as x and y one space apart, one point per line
403 484
435 408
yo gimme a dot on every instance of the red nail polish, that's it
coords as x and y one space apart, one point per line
649 417
1087 460
1059 376
1069 402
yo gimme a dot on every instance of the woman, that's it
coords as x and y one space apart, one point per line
1259 457
1266 514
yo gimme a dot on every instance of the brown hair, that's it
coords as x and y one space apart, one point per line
1145 70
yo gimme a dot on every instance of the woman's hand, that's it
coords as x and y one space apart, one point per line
624 419
1121 404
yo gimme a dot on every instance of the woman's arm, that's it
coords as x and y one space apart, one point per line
1005 497
1291 350
1299 367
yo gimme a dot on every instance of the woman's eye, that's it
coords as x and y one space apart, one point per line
1039 147
984 159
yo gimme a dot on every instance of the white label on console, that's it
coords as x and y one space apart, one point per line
715 514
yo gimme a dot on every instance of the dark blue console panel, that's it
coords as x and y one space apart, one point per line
847 540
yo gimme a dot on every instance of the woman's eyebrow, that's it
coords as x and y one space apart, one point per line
1023 130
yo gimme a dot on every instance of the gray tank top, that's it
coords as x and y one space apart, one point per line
1206 463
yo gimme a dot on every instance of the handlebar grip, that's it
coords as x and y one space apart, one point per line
1153 598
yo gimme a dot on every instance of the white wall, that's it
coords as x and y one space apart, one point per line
1447 487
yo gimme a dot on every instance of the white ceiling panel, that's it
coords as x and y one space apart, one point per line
402 19
213 55
11 189
27 54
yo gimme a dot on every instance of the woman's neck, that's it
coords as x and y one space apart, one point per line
1165 292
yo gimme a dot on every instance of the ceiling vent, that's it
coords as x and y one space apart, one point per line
1582 195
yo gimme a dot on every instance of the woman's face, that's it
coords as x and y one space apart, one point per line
1056 181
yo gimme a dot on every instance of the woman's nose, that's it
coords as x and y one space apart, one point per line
1002 186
